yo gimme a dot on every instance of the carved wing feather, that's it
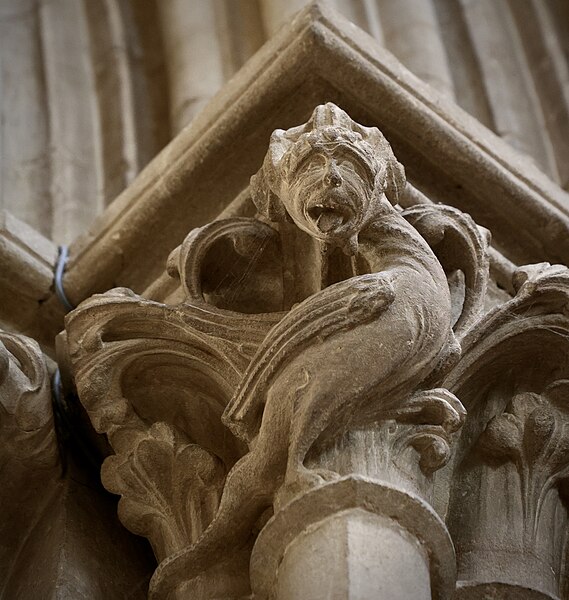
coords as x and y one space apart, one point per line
333 309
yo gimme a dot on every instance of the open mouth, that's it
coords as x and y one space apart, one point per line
328 218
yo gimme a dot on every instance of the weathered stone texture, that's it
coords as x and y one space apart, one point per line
307 388
102 86
320 343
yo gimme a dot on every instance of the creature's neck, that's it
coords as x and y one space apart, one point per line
386 242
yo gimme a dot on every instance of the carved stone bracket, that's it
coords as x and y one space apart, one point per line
307 386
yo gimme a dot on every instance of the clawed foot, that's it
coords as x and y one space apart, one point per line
300 481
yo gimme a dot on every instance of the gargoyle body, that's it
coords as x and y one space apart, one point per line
346 356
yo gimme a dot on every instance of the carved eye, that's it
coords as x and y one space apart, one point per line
355 167
310 163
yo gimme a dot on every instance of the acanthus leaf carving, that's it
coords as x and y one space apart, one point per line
533 433
170 488
512 377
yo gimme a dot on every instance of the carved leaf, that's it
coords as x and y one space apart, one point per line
137 362
502 439
434 416
170 488
534 435
538 430
26 416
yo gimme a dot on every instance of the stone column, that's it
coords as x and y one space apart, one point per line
367 535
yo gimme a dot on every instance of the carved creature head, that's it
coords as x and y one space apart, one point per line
329 176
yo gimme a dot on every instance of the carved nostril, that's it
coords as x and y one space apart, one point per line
333 176
335 180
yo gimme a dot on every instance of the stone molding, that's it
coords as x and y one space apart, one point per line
202 173
252 443
318 57
26 280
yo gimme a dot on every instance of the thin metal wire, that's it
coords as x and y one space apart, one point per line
68 434
58 277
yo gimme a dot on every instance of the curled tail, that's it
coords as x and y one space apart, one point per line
244 499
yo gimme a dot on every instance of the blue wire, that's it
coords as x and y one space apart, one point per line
63 414
59 270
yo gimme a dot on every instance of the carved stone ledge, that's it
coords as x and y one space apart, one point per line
318 57
26 282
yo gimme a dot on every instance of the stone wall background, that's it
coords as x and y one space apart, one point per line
91 90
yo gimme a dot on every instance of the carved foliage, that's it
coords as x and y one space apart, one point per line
26 417
170 488
354 349
426 423
29 470
157 378
533 434
513 378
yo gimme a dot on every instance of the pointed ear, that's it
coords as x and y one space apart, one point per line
265 184
395 179
265 199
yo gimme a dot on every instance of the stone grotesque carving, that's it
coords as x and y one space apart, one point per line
330 177
320 329
336 181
